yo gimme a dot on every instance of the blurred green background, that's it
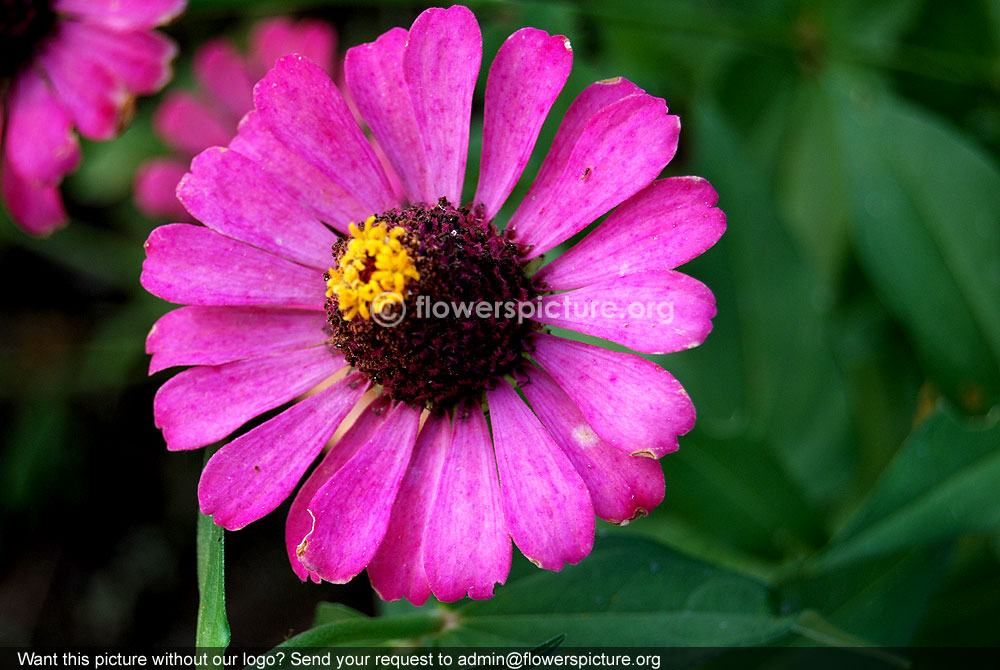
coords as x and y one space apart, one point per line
842 482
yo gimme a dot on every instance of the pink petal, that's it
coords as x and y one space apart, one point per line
663 226
525 79
205 404
233 195
247 478
633 404
140 59
314 191
196 266
223 73
123 14
96 100
271 39
155 188
39 142
300 519
374 76
623 147
188 124
591 100
466 544
397 570
299 104
352 509
545 502
441 64
35 207
216 335
394 183
622 487
651 313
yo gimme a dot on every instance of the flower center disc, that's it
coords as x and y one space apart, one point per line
402 300
23 26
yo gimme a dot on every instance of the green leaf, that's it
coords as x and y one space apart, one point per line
811 189
700 541
213 626
357 630
642 36
629 591
942 483
880 600
993 12
868 31
964 611
795 401
334 612
812 626
739 490
924 215
884 381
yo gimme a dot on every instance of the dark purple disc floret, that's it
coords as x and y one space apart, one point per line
431 358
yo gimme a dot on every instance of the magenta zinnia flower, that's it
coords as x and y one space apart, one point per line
68 64
189 122
420 487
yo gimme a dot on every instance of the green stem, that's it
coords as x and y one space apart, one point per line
212 633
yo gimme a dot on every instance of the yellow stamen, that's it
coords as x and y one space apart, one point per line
375 250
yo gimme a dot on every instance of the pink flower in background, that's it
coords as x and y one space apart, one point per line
65 65
421 487
189 122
